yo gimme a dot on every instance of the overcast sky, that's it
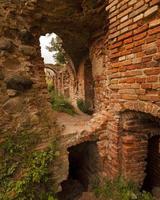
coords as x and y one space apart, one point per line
45 41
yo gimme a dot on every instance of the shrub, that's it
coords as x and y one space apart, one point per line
25 173
50 87
84 106
119 189
61 104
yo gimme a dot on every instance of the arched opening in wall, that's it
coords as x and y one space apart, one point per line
84 166
49 45
85 85
152 171
141 149
58 73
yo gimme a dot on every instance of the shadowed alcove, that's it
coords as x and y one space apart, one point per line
84 166
141 149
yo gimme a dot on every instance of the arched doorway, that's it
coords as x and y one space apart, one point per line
152 178
141 149
84 166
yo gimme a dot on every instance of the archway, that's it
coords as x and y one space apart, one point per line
152 178
140 154
84 166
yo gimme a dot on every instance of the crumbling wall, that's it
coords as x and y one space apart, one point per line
124 47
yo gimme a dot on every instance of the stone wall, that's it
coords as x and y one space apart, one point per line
124 49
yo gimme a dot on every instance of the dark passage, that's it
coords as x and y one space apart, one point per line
152 179
84 166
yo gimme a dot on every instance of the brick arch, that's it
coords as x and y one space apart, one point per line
144 107
139 106
139 124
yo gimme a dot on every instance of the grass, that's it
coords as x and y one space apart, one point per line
84 106
61 104
119 189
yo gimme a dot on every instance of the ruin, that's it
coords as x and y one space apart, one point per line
114 46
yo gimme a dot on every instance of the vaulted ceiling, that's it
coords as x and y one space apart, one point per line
77 22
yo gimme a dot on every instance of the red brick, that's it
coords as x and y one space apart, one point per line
140 80
129 97
129 46
154 30
156 86
137 49
152 98
147 59
140 42
152 79
154 2
146 86
141 29
127 80
117 44
152 71
140 36
129 40
151 39
124 36
140 54
132 67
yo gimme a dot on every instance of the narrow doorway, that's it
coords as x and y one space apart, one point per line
152 178
84 166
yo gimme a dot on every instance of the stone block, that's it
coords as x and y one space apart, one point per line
13 105
11 93
5 44
28 50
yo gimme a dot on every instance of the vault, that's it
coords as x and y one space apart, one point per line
78 23
84 166
141 149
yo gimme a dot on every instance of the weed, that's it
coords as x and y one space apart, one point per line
24 172
84 106
119 189
61 104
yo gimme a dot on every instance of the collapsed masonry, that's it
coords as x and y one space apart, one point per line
117 44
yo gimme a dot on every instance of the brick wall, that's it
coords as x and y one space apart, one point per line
140 155
127 77
126 73
131 53
134 50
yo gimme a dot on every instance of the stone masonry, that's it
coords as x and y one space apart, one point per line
122 40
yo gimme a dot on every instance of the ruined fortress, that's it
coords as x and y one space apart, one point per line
114 46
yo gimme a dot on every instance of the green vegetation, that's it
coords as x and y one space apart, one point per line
119 189
61 104
24 172
56 46
84 106
50 86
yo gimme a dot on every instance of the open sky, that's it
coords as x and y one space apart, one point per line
45 41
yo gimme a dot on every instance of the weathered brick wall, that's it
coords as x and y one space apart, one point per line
126 73
134 50
130 53
140 156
